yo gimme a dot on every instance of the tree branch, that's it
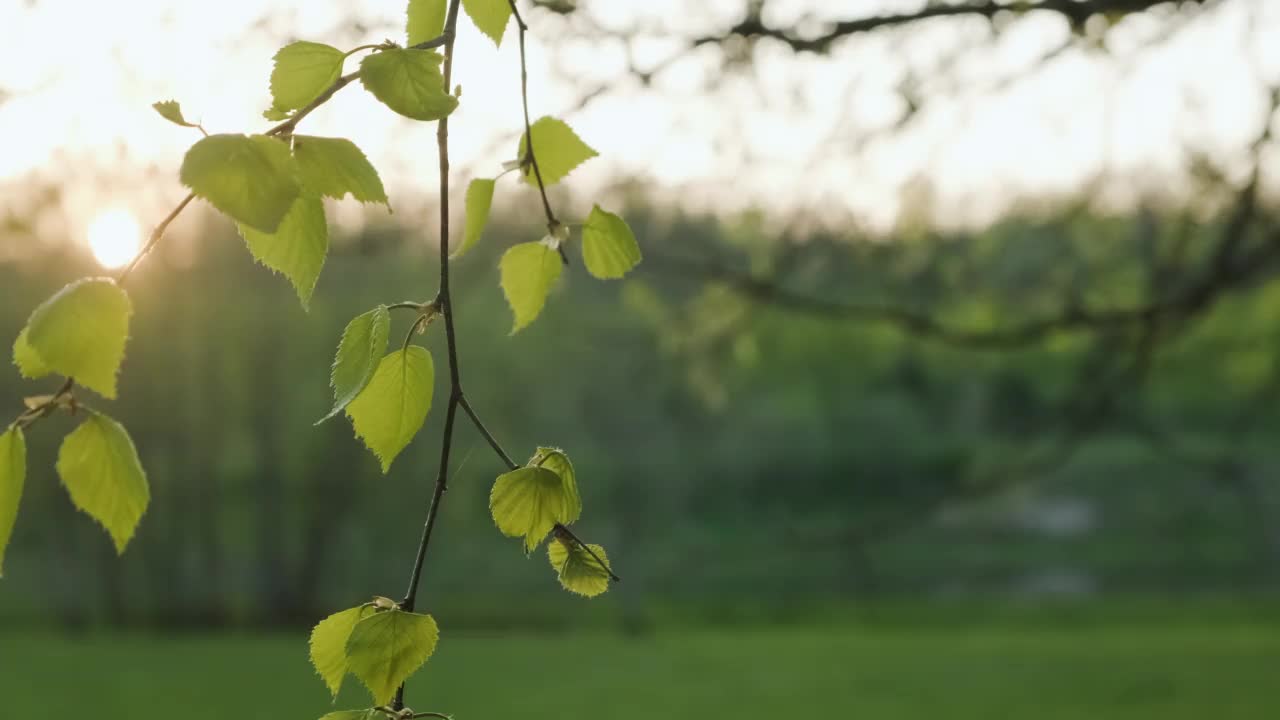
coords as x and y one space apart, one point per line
1077 12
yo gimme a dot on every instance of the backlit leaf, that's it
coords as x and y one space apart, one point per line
479 201
529 501
528 272
170 110
609 248
334 167
409 82
426 20
329 645
558 148
80 332
392 407
13 473
29 364
100 469
579 572
363 343
252 178
386 648
298 247
491 16
303 70
557 461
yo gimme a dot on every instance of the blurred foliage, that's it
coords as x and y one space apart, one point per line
735 449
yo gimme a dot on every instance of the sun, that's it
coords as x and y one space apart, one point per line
114 237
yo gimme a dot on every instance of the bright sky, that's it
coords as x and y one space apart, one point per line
77 79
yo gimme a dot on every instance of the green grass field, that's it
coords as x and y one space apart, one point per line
1214 671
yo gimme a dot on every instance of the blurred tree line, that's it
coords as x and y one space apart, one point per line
743 450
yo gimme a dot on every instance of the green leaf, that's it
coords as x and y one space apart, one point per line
29 364
609 248
479 201
579 572
392 407
334 167
303 70
275 114
100 469
558 148
409 82
426 20
555 460
362 345
254 179
13 473
385 649
529 501
80 332
491 16
528 271
170 110
329 645
297 249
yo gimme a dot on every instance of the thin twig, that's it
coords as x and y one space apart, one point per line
154 239
493 442
552 223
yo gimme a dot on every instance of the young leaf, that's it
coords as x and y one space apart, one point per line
13 473
558 148
302 71
254 179
334 167
609 248
80 332
329 645
556 461
426 20
528 271
385 649
297 248
491 16
29 364
579 572
275 114
170 110
392 407
479 201
362 345
409 82
529 501
100 469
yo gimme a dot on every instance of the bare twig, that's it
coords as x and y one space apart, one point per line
530 155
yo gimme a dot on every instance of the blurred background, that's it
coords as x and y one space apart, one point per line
949 385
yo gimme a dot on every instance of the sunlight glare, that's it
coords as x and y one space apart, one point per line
114 237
